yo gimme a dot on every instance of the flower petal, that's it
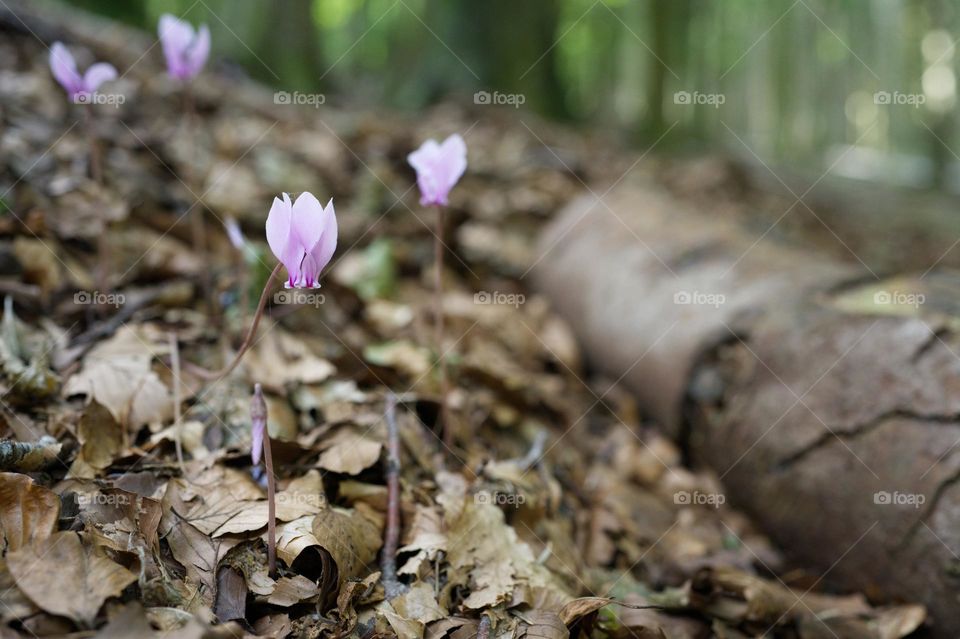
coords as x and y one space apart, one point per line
439 167
281 238
64 69
307 220
175 38
323 250
453 153
196 55
97 74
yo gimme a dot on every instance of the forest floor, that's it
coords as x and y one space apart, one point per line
555 511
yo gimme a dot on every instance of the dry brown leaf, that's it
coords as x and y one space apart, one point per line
101 440
28 512
543 624
349 452
117 373
487 557
13 603
351 539
227 501
293 537
403 355
418 603
573 610
279 358
66 577
293 590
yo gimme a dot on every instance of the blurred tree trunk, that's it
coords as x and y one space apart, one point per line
669 29
940 126
515 44
288 45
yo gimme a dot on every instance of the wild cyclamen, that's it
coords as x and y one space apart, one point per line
79 87
439 167
185 48
303 236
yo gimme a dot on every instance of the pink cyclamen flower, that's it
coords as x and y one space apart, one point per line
303 236
258 423
78 87
438 167
185 49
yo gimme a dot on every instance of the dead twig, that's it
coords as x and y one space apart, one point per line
388 558
177 416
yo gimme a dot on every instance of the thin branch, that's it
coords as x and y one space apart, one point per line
388 559
177 417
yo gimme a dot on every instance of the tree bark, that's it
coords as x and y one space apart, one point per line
827 399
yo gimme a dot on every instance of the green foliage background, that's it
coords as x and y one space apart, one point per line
798 76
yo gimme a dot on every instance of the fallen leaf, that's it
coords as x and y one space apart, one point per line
349 452
28 512
66 577
117 373
279 358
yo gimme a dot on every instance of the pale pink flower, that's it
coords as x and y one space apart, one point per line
185 49
438 167
303 236
78 87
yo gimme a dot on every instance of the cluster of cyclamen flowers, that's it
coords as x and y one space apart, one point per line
302 234
185 49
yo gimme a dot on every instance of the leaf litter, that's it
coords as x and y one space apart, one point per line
557 512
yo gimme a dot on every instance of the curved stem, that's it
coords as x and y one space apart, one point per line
247 341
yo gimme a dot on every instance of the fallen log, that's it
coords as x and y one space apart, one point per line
826 399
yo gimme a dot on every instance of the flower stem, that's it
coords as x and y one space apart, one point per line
96 169
438 318
271 506
247 341
259 418
96 174
197 229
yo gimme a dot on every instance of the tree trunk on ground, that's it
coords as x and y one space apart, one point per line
827 400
